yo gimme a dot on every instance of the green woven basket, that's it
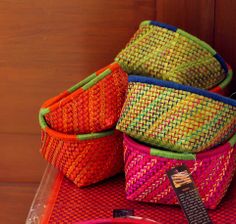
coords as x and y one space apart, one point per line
168 53
176 117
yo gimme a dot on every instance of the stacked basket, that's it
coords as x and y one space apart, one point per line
170 120
126 220
172 109
78 133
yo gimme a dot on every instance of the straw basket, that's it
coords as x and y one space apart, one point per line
84 159
169 53
93 105
176 117
146 179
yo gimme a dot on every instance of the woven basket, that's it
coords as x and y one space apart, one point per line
166 52
119 220
176 117
146 167
93 105
84 159
224 87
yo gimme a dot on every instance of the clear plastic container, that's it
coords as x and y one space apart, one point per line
40 201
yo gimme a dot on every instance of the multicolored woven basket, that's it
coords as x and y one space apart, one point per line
146 179
169 53
84 159
93 105
176 117
120 220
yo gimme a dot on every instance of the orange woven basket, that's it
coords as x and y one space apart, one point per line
85 159
92 105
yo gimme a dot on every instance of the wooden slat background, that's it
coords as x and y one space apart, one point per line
194 16
47 46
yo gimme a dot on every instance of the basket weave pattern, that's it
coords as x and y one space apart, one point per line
171 55
146 178
176 119
84 161
88 110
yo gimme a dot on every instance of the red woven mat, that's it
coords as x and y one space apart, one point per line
69 204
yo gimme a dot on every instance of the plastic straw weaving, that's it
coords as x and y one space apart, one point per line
146 179
84 159
70 204
224 87
169 53
92 105
176 117
119 220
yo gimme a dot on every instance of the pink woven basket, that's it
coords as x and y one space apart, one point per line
146 167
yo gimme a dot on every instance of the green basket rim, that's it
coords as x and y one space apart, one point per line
44 126
85 84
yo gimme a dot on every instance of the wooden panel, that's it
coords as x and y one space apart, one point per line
46 46
20 158
15 201
195 16
225 32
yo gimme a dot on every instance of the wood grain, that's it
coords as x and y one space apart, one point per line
47 46
20 159
195 16
225 32
15 202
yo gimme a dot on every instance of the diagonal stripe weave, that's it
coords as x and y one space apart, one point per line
92 105
176 117
85 162
169 53
86 158
146 179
